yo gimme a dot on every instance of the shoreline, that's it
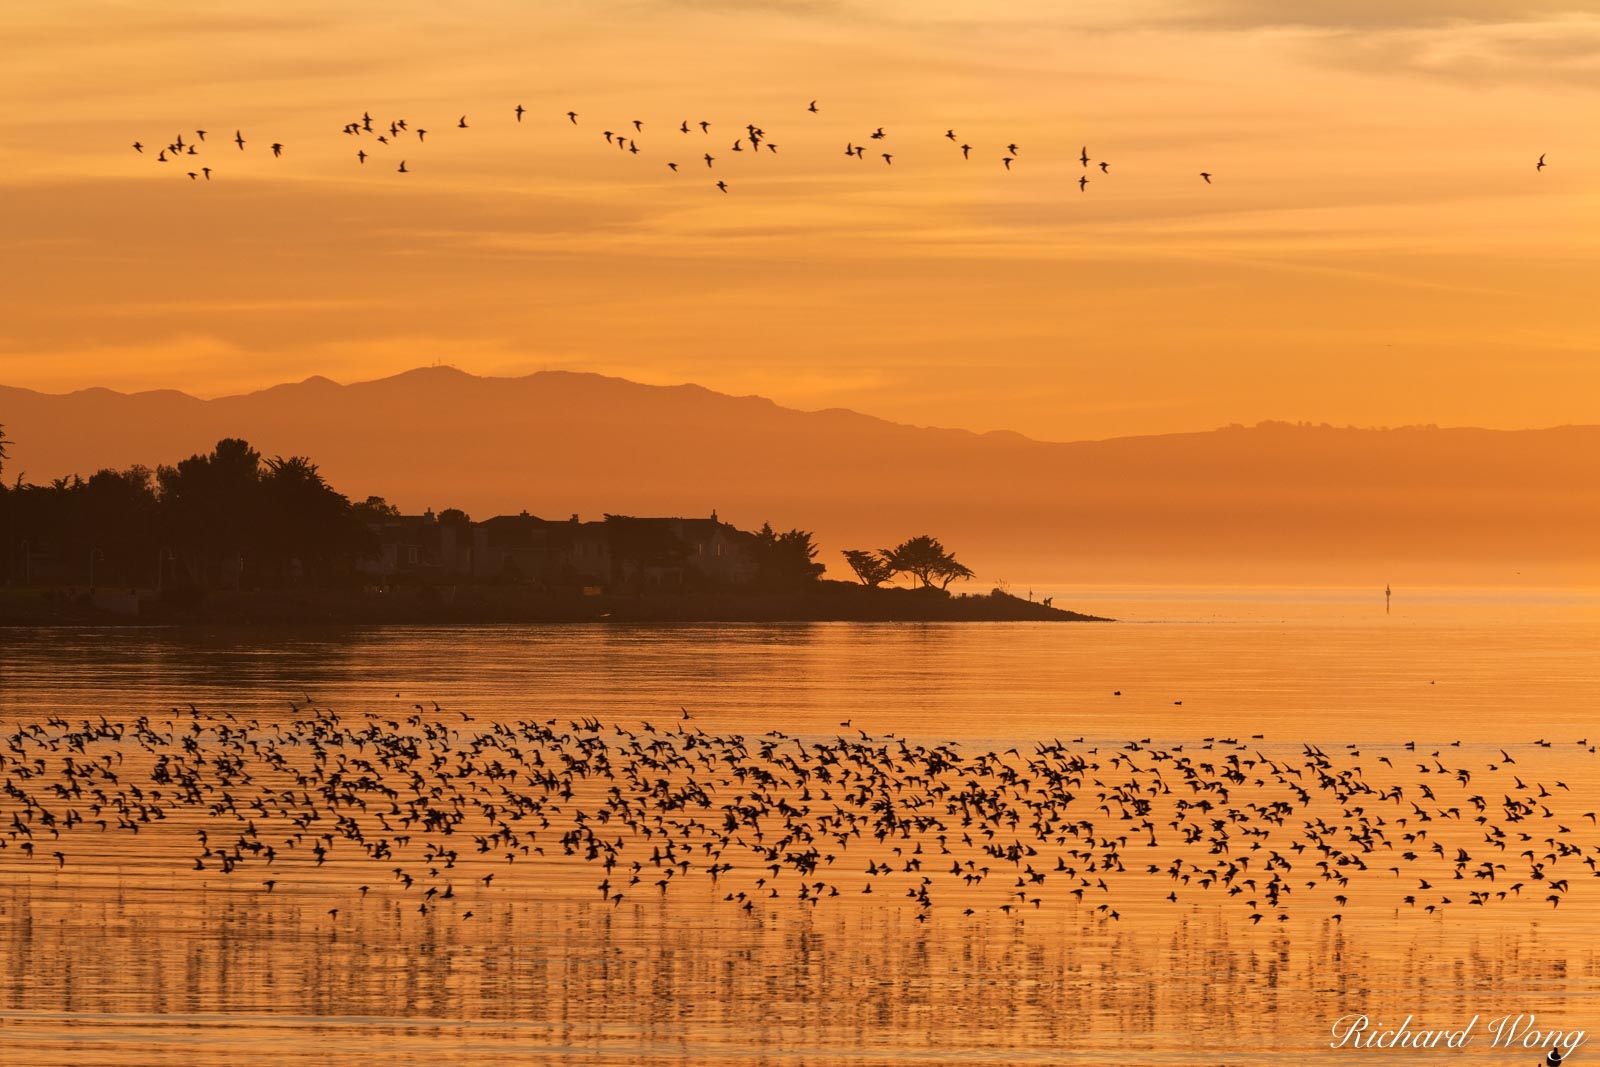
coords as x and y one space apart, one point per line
488 605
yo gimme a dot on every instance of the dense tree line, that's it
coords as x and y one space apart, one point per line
230 519
226 519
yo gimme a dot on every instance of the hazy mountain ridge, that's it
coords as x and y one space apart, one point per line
1274 500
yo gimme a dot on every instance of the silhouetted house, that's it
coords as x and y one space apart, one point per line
589 558
408 549
455 545
621 550
526 548
669 551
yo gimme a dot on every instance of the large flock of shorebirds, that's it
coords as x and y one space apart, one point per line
431 804
397 141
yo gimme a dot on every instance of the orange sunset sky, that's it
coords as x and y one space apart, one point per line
1376 249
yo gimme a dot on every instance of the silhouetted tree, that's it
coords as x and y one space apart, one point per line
950 570
305 521
870 567
211 508
116 517
375 509
784 560
926 560
74 531
3 455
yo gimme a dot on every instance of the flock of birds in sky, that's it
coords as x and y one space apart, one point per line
432 807
751 140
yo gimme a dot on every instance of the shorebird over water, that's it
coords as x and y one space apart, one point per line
1280 832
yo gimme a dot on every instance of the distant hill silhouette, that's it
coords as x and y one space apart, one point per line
1271 502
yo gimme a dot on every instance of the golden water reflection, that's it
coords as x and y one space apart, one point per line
125 954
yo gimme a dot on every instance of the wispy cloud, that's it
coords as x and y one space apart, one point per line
1372 14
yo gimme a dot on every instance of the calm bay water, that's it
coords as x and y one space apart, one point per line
122 951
